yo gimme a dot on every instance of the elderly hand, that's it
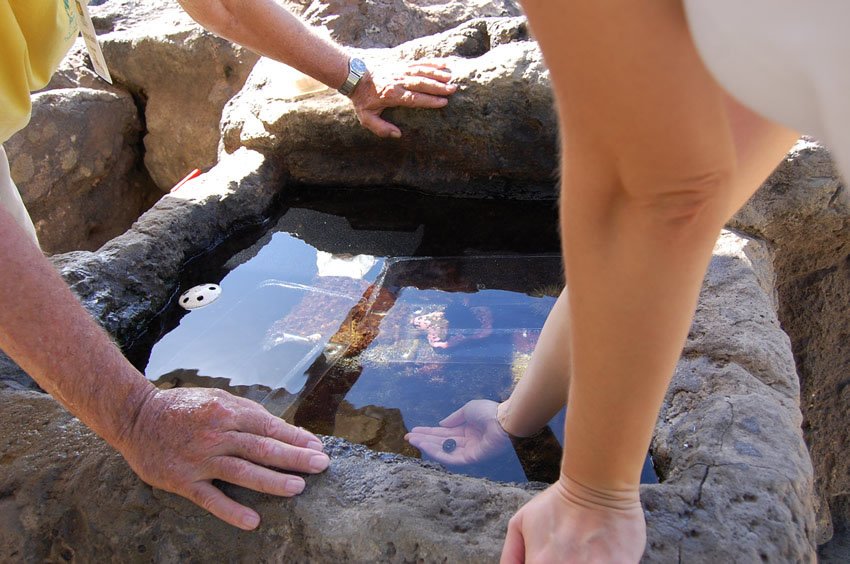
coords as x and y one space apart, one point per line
416 85
184 438
475 430
571 523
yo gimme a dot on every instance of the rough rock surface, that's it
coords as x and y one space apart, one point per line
387 23
133 276
174 68
736 479
803 212
736 475
728 440
367 508
76 167
497 136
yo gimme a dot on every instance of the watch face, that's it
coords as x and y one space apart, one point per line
357 66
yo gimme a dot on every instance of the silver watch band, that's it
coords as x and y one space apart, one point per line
356 70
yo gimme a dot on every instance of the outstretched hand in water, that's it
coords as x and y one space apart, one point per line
474 429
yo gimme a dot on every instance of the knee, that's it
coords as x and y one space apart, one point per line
696 201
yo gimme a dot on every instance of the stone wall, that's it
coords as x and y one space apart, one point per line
803 212
736 478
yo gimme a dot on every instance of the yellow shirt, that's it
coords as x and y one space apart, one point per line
34 37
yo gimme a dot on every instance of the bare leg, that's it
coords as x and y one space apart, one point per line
650 175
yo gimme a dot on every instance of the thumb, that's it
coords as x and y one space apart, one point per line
380 127
513 552
455 419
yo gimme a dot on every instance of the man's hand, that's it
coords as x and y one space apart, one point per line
417 85
475 430
184 438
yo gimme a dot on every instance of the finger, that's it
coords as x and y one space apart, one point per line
435 451
513 552
257 420
243 473
439 431
272 452
411 99
431 63
455 419
460 440
205 495
378 126
429 86
440 74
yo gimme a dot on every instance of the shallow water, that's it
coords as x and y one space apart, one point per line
325 334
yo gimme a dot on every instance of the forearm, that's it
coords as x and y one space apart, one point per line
271 30
47 332
648 160
542 390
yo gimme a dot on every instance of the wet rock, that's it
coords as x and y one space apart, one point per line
496 137
736 478
803 212
76 166
96 500
174 68
134 275
387 23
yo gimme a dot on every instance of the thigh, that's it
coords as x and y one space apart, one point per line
641 115
633 95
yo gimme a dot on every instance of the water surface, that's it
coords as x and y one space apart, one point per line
317 320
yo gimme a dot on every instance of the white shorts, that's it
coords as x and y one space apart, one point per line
784 59
10 198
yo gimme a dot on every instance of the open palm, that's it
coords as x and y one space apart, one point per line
473 427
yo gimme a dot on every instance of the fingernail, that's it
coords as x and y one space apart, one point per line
295 486
315 445
250 520
319 462
395 134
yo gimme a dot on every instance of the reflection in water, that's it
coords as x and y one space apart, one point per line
364 347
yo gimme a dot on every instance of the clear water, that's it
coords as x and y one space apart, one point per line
324 333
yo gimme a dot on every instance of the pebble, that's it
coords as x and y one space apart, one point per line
449 445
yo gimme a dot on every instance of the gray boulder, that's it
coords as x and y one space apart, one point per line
133 276
387 23
736 478
496 137
728 438
179 74
75 165
803 212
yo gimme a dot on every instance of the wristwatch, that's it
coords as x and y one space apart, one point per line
356 70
